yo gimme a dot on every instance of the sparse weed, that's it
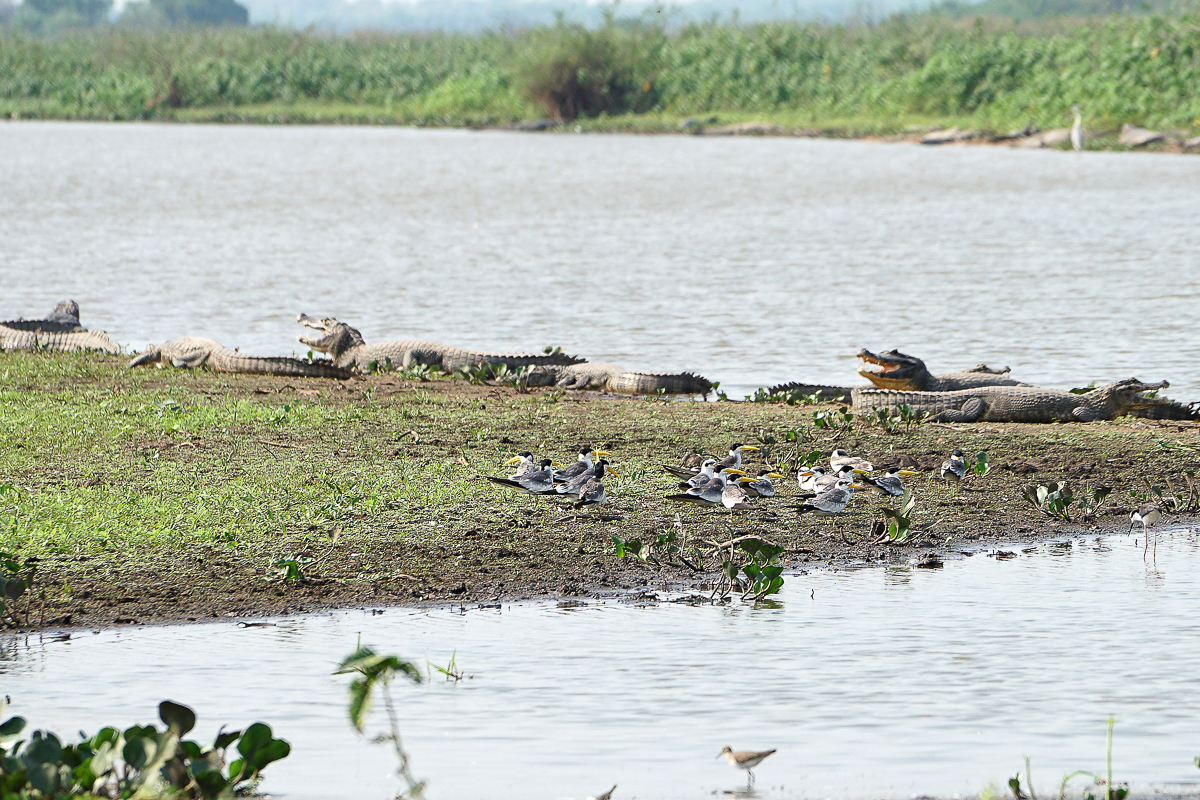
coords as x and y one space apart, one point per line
1052 499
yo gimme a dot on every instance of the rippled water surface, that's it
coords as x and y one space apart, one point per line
871 683
751 260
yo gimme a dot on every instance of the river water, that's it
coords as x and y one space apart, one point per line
879 683
751 260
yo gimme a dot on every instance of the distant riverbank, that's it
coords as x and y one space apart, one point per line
902 78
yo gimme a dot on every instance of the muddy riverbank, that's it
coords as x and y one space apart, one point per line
164 495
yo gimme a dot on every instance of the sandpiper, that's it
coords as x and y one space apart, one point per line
744 759
1148 514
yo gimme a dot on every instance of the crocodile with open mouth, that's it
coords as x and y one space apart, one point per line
891 369
191 352
1029 403
59 332
345 345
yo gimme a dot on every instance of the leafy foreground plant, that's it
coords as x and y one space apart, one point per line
376 672
761 575
1056 499
139 761
897 526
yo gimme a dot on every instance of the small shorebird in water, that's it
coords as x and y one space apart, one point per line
1149 514
744 759
954 468
606 796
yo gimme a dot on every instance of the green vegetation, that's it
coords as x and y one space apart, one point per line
847 79
140 761
186 494
373 673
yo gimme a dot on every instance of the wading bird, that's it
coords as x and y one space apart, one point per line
1077 130
1148 514
744 759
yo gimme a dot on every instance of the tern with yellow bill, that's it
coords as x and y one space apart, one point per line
890 482
711 493
761 485
583 462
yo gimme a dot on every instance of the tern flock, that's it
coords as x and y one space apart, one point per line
712 482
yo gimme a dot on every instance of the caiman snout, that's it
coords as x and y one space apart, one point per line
323 325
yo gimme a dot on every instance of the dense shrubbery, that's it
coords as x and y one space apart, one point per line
1123 68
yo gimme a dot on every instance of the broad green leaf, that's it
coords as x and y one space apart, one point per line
210 782
138 751
43 748
179 718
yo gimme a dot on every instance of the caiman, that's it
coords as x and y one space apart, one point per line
191 352
58 332
605 377
63 319
1029 403
345 345
892 369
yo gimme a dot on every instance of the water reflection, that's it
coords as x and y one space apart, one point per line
927 681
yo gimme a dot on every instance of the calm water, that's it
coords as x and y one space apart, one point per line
871 683
752 261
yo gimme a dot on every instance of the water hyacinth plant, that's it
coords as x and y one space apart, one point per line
139 761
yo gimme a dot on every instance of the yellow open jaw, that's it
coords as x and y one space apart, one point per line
909 472
514 460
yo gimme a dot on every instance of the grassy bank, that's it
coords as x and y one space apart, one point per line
186 495
877 79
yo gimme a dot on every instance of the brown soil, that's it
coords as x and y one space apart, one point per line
506 549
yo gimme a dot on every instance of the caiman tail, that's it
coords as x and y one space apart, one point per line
56 342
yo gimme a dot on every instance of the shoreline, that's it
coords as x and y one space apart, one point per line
172 495
672 587
932 132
